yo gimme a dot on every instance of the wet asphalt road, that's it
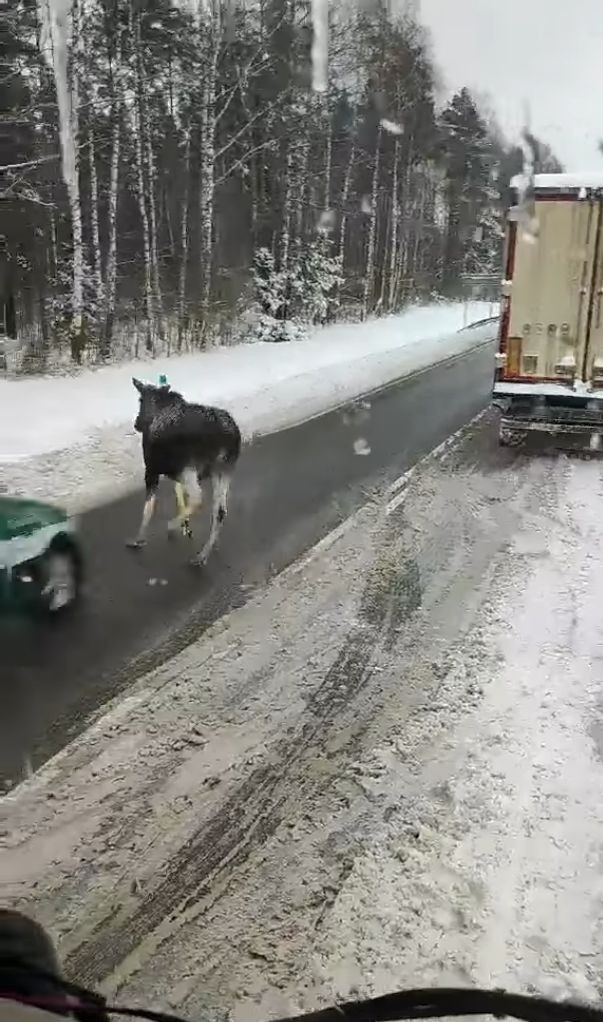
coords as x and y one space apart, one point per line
290 489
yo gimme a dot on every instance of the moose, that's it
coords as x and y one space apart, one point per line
188 443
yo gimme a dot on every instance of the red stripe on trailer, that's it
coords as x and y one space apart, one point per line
506 313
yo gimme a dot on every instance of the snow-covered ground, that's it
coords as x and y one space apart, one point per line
384 771
71 438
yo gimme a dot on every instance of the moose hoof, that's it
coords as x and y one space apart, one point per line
135 544
182 527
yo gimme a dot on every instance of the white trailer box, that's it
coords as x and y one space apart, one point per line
549 365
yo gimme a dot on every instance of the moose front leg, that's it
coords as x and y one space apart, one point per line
152 483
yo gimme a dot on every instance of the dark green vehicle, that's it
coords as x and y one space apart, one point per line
40 557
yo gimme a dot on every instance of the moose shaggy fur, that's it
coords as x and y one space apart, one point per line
188 443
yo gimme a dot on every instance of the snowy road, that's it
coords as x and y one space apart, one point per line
291 488
385 770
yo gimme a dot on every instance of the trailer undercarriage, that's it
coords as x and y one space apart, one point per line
574 422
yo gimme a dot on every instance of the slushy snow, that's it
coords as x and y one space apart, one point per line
330 794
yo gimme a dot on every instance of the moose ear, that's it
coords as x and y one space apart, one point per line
139 386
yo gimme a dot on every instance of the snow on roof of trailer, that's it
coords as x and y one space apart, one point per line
563 182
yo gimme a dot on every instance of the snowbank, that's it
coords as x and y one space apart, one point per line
42 415
72 437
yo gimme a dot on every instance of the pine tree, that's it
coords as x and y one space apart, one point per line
467 152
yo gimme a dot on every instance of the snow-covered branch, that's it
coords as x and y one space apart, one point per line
29 163
270 144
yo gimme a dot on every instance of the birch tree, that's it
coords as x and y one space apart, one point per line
115 97
395 217
211 27
369 275
139 149
60 25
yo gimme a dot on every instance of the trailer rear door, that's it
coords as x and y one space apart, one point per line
550 309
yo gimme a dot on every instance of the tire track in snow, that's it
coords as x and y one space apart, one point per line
254 810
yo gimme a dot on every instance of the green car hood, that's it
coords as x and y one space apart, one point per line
22 517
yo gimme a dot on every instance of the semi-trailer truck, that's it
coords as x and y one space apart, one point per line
549 363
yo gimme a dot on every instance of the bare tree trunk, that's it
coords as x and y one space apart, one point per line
398 274
303 155
111 268
345 193
404 266
328 161
146 141
96 246
405 239
419 229
208 159
61 30
184 242
394 230
152 177
168 221
53 245
287 209
77 334
206 199
149 304
382 264
254 171
369 279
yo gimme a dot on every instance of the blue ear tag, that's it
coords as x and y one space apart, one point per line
163 380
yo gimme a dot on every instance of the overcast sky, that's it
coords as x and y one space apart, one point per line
549 52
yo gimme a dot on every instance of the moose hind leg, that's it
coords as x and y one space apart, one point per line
181 520
220 488
188 498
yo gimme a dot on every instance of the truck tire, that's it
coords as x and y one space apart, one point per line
508 436
505 436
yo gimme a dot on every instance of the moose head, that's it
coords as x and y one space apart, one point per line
153 400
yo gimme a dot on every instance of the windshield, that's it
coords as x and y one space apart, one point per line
301 417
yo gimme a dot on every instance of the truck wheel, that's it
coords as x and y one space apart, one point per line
505 436
509 437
